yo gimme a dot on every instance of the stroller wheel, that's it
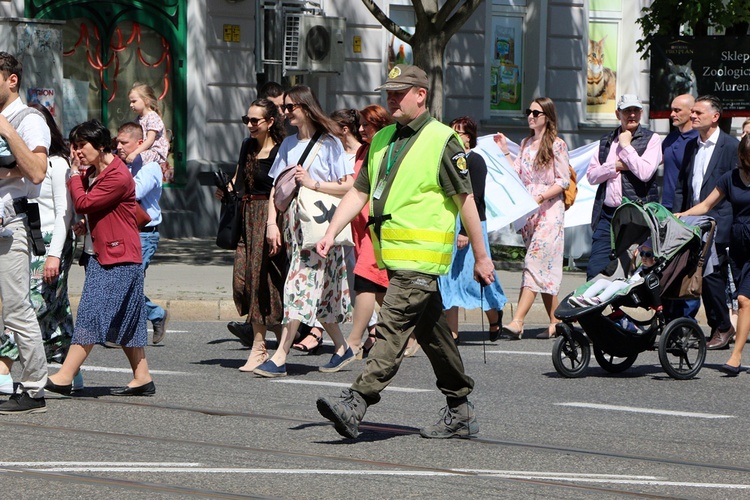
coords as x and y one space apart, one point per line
613 364
571 353
682 349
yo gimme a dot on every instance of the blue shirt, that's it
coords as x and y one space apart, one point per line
148 179
673 148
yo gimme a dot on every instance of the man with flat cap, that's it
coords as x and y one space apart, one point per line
416 181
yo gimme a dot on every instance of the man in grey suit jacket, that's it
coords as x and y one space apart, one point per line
707 158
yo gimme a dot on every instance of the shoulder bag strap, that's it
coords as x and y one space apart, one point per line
309 147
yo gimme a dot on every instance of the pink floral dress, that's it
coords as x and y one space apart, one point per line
543 233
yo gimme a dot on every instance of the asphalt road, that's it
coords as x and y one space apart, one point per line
214 432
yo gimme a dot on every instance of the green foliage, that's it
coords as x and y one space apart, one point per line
505 253
666 17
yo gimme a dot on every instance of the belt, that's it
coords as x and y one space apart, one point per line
150 229
255 197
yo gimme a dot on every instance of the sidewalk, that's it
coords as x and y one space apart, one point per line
192 278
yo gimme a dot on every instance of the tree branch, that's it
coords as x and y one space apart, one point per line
386 21
444 12
459 18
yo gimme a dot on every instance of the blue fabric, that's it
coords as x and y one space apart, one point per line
148 187
111 307
458 287
673 148
149 243
601 244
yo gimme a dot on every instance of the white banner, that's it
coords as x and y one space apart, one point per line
508 201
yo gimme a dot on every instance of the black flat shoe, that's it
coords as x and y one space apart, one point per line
142 390
65 390
731 370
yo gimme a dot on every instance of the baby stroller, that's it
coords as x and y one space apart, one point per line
616 338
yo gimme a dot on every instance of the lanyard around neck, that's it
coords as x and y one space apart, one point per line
392 161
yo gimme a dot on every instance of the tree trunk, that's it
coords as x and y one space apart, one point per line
428 55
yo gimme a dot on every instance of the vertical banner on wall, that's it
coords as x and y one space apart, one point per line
506 65
601 68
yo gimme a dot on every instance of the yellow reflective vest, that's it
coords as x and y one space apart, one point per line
420 234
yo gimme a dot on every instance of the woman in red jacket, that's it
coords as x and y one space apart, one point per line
112 303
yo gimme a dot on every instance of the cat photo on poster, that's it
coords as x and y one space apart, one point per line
601 73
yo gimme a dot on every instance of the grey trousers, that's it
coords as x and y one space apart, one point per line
413 304
18 312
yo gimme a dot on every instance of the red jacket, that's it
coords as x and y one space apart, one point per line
109 204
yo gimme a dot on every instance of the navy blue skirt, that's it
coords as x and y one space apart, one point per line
112 307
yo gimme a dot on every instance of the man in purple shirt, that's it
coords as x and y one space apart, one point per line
624 168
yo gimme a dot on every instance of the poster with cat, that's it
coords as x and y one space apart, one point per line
601 69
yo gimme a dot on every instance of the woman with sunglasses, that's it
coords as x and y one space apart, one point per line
316 287
542 166
458 287
258 277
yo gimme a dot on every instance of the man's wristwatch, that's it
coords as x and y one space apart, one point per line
317 185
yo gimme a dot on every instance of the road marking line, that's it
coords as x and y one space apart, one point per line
633 409
195 468
88 368
339 384
520 352
100 464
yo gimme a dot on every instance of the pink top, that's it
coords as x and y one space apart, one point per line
152 121
643 167
366 266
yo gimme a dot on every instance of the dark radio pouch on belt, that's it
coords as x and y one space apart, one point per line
23 206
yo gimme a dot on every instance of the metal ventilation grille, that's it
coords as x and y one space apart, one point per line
291 40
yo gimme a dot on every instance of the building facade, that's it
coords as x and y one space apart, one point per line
205 59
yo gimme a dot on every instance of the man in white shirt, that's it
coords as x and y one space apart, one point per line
29 141
707 158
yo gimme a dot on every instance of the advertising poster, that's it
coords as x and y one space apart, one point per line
45 97
506 65
601 69
718 65
398 51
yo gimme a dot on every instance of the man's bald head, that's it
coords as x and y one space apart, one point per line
680 112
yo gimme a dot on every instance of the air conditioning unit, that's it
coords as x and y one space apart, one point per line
313 44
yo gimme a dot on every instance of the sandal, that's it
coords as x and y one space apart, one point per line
550 333
364 350
412 346
494 334
513 333
305 347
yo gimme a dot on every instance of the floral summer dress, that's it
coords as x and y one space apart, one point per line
543 233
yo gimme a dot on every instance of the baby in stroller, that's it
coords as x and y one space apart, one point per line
604 289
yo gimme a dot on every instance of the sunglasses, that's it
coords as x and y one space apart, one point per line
289 107
647 255
252 121
534 112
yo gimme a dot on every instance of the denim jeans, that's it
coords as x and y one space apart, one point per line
149 242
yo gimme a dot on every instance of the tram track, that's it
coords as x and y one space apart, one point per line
351 461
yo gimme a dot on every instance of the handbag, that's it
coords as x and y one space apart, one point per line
230 219
569 194
315 211
285 187
141 217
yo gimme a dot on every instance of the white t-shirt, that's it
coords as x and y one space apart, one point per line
328 165
34 132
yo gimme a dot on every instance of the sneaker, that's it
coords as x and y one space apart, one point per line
78 382
338 362
23 403
578 301
346 413
160 328
242 331
458 421
6 384
270 370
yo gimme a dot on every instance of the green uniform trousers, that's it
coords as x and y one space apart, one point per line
413 304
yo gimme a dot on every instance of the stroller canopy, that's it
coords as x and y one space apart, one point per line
634 223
